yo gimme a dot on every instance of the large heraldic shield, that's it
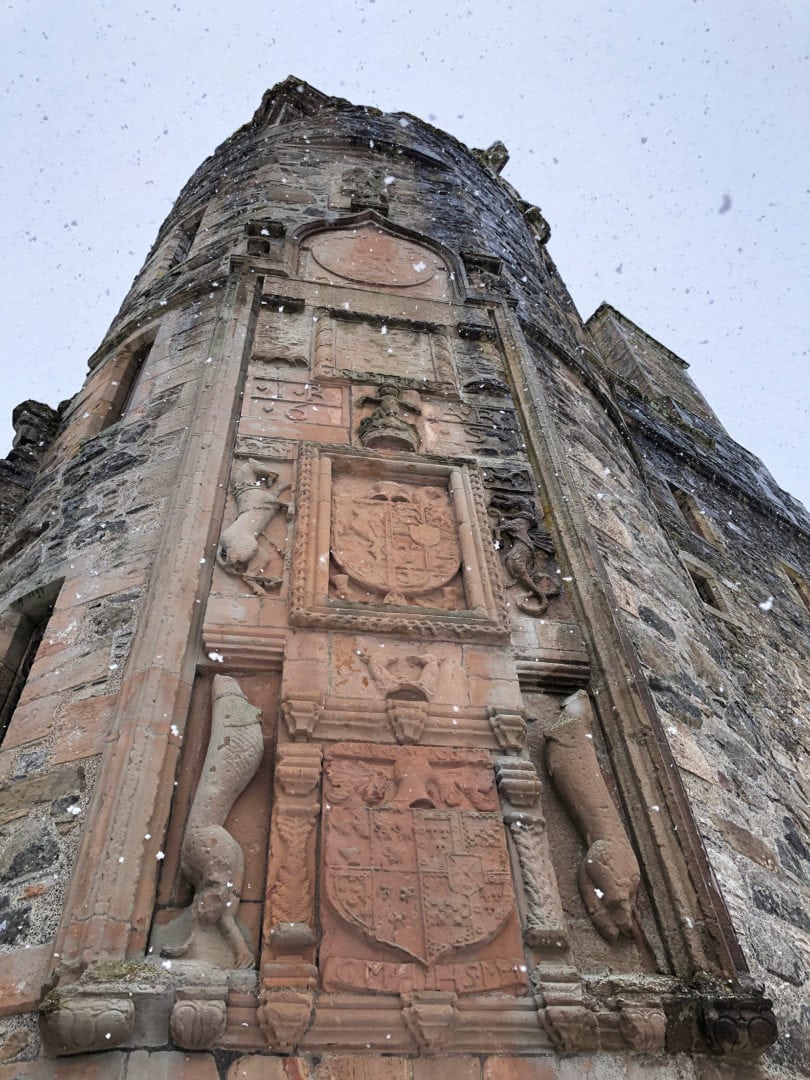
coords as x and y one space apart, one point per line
416 874
396 539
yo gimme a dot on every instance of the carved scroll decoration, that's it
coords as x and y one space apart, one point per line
198 1017
210 857
243 548
609 874
76 1023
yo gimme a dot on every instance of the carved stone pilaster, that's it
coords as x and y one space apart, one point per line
198 1017
520 788
301 715
284 1016
508 727
428 1015
289 916
78 1021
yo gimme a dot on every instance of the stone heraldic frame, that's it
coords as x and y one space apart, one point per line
485 619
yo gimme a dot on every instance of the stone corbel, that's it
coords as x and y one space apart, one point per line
520 789
428 1016
407 719
508 727
77 1021
284 1016
570 1024
301 715
198 1017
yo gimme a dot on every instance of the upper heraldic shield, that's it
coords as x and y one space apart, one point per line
400 540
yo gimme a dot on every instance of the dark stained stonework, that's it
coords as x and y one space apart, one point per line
422 681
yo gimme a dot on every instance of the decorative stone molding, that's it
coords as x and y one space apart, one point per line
428 1014
609 874
434 577
210 857
301 715
198 1016
407 719
509 729
284 1016
518 781
79 1021
572 1027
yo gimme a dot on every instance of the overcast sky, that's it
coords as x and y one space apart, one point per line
667 144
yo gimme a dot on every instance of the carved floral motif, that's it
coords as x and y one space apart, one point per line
284 1016
198 1017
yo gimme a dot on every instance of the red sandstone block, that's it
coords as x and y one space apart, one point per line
350 1067
81 727
170 1065
269 1068
109 1066
22 973
513 1068
31 722
449 1068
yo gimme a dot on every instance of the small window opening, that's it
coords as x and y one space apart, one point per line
691 513
22 628
186 235
706 589
798 583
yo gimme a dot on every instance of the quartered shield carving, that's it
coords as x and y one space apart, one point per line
422 870
398 540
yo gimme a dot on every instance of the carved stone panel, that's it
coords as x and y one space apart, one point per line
369 256
294 409
395 546
416 874
357 347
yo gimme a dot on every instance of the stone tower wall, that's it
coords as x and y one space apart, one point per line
350 327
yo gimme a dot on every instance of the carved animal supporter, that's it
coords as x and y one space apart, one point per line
210 857
609 874
242 546
527 551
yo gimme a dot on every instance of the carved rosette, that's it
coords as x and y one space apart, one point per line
289 916
76 1022
198 1017
284 1016
739 1025
643 1029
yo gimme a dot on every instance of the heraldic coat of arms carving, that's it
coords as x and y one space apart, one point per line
414 848
396 539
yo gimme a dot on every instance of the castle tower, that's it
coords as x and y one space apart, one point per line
395 667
